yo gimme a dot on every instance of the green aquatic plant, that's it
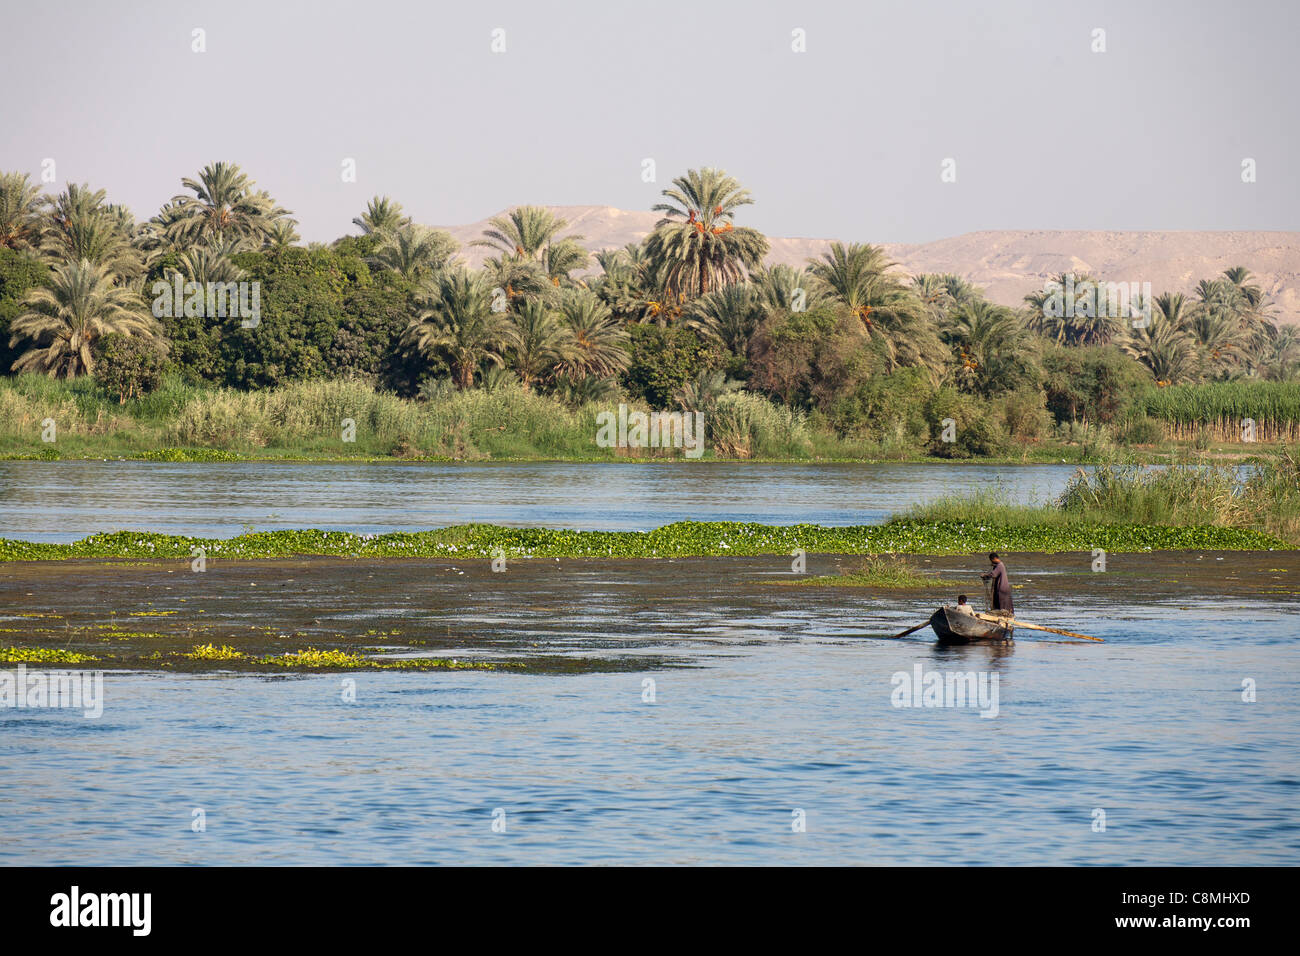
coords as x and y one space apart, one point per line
1054 533
209 652
443 664
312 657
890 571
43 655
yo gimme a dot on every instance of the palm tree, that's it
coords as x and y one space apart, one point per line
596 337
696 244
79 225
584 389
223 206
65 319
989 341
414 252
1086 320
381 215
538 342
1240 277
701 393
518 279
459 321
1163 345
785 288
20 211
728 315
283 234
211 262
562 257
890 314
524 232
942 292
629 286
1254 313
1279 360
1215 326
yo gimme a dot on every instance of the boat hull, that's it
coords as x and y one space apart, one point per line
956 628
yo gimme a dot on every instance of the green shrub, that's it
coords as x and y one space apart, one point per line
128 366
663 360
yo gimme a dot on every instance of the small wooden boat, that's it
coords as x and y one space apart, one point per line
953 627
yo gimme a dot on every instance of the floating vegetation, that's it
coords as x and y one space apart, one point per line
440 663
877 571
209 652
42 655
311 657
683 539
189 454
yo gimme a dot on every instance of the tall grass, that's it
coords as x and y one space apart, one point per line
311 418
1264 496
1217 410
745 425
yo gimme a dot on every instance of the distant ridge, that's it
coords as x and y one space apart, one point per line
1009 263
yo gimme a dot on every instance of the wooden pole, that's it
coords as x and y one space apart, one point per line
908 631
993 618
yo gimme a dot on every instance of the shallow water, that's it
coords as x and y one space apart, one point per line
776 700
64 501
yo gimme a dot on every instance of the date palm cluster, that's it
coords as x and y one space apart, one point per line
99 256
545 312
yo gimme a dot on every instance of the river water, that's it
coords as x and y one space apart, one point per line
1178 734
63 501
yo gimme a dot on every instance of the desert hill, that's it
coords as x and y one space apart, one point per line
1009 263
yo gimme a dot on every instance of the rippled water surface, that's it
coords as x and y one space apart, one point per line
63 501
780 702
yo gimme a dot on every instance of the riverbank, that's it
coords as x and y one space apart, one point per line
349 421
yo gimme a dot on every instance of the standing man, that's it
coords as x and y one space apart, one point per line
1001 586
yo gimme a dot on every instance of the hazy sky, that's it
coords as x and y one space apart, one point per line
845 140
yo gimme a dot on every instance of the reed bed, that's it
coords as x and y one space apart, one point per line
1263 496
1217 410
345 418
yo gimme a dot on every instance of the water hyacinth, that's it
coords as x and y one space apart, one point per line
682 539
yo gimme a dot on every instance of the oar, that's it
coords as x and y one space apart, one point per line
993 618
909 631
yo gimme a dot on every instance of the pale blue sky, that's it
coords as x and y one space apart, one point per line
842 141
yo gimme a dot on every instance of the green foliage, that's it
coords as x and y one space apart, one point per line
20 272
665 359
1093 383
1263 499
128 366
890 571
1143 431
885 408
683 539
744 425
42 655
1272 405
975 430
322 314
810 359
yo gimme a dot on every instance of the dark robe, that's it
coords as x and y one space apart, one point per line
1001 588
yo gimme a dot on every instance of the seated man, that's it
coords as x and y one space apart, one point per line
963 607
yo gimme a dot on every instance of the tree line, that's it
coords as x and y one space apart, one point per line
675 320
